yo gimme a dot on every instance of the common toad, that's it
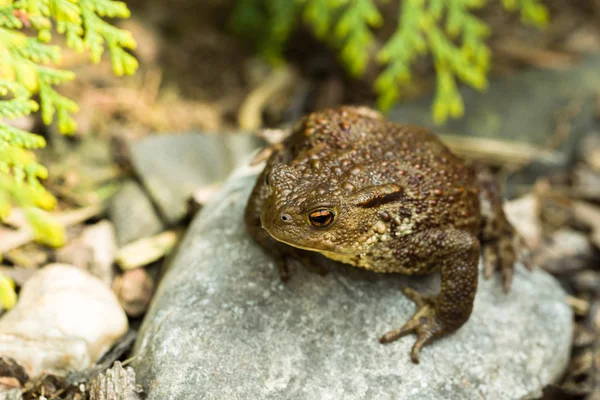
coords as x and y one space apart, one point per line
359 189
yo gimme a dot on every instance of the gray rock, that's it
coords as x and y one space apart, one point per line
172 166
524 107
133 214
222 325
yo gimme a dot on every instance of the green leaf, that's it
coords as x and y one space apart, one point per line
22 63
46 230
53 102
266 23
4 205
8 18
123 63
39 53
448 31
53 76
533 12
65 12
18 138
8 296
353 30
112 9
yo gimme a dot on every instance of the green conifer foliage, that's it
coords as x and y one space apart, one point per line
447 30
28 67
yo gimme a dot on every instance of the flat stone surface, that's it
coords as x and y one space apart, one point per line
222 325
172 166
133 214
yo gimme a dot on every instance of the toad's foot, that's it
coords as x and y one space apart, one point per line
425 323
501 253
307 260
499 241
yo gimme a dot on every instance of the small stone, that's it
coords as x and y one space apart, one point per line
586 183
587 281
102 241
65 320
202 195
17 274
171 167
147 250
223 322
590 150
94 250
134 290
8 383
133 214
565 250
522 213
588 215
75 253
582 336
31 255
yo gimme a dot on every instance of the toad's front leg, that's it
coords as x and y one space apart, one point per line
281 253
457 253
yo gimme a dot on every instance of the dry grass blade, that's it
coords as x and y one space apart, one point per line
11 239
144 251
533 55
250 113
499 152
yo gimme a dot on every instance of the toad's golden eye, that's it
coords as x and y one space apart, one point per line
321 217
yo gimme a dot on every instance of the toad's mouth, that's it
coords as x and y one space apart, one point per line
345 258
327 253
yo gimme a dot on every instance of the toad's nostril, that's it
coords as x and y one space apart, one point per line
286 218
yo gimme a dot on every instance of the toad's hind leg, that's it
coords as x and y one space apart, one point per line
439 315
499 240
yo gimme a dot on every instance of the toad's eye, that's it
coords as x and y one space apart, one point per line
321 217
267 179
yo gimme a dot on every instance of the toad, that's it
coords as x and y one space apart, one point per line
356 188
